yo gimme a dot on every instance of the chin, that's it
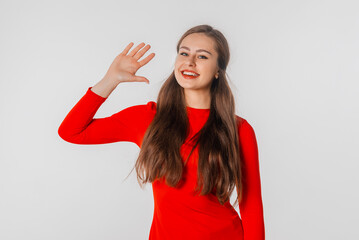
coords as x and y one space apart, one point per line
184 85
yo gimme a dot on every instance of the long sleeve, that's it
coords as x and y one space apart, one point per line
251 208
80 126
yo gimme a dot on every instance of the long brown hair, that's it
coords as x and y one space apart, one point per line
219 163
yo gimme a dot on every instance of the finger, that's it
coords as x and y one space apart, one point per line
140 79
135 50
147 59
125 51
142 52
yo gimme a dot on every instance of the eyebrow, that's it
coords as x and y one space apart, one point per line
199 50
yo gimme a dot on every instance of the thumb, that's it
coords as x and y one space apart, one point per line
140 79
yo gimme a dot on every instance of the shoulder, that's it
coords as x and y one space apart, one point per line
245 129
137 113
242 122
151 106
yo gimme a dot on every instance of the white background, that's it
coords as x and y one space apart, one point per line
294 70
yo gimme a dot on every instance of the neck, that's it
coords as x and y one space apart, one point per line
198 99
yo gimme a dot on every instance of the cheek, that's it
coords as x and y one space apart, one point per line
176 71
177 65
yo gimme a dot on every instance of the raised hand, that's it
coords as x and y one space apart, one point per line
125 65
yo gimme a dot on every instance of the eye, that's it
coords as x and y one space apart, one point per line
201 56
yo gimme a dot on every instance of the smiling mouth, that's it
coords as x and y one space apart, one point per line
189 75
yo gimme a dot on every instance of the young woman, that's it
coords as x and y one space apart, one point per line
194 149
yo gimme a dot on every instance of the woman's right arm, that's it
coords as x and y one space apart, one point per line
80 127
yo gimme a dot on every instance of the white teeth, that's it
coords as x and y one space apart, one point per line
190 73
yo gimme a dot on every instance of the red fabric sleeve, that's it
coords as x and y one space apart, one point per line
129 124
251 208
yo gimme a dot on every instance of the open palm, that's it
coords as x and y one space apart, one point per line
125 65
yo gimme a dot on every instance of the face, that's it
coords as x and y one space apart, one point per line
196 55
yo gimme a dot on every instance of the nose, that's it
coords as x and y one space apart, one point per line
190 61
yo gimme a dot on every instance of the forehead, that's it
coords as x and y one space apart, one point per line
198 41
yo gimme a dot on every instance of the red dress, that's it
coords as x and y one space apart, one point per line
178 212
